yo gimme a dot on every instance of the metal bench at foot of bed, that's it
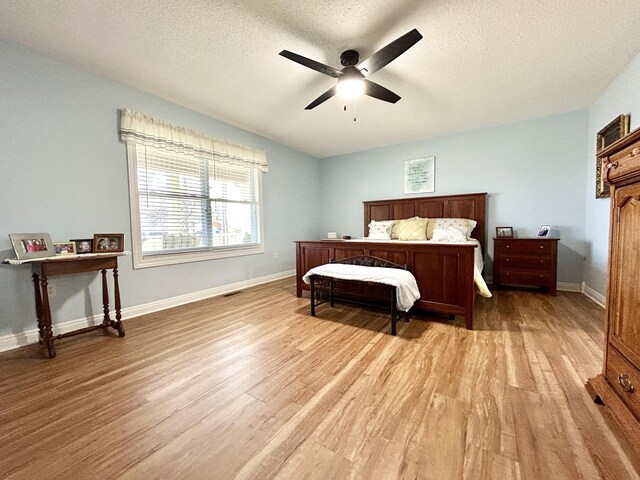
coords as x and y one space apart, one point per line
322 288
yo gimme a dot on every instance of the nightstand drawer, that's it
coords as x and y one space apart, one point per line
516 277
531 247
507 261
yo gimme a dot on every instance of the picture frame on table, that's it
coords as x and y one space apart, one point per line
83 245
614 130
32 245
108 242
504 232
543 231
64 248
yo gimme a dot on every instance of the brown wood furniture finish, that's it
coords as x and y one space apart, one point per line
618 385
48 267
526 261
444 272
471 205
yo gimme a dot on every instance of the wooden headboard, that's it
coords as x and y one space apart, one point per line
472 205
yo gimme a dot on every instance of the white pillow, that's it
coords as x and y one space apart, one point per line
381 230
451 233
467 225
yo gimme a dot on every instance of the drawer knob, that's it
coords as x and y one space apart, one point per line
635 152
507 246
541 247
613 165
507 259
625 383
541 276
541 261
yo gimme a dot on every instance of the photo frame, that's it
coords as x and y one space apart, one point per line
504 232
83 245
613 131
543 231
419 175
108 242
32 245
64 248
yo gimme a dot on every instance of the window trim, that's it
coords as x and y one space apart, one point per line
144 261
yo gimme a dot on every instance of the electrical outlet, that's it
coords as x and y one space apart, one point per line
51 289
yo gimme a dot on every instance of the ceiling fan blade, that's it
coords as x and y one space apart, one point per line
388 54
312 64
378 91
322 98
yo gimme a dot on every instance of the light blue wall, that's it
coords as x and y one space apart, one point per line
533 172
63 171
622 96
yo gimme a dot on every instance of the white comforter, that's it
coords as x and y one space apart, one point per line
406 287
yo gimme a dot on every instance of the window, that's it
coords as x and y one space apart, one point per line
192 206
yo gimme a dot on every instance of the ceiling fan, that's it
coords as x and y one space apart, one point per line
352 79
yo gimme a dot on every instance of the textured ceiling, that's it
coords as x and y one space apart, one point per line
481 62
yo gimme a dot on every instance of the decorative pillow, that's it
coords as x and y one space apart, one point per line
451 233
466 223
381 230
412 229
396 226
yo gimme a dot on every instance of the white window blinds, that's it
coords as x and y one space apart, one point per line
189 203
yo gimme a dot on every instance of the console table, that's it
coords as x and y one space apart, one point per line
43 268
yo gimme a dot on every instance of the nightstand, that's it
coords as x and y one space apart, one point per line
529 262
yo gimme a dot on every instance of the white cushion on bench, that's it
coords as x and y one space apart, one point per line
406 287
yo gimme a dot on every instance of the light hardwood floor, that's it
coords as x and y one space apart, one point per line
251 387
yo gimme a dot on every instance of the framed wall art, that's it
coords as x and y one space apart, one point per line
615 130
419 175
32 245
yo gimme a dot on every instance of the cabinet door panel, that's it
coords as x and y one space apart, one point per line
626 262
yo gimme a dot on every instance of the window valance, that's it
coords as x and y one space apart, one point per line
141 129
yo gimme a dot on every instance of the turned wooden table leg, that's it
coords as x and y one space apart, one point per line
46 318
116 286
38 298
105 299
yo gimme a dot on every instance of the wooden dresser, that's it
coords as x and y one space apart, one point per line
618 387
526 261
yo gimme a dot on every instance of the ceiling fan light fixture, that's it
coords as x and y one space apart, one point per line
349 88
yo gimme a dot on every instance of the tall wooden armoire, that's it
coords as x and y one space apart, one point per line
618 387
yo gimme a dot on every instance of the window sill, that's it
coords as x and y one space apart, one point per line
146 261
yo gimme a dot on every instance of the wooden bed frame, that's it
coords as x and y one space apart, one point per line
444 272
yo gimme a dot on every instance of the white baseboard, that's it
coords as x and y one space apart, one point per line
569 287
15 340
564 286
594 295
